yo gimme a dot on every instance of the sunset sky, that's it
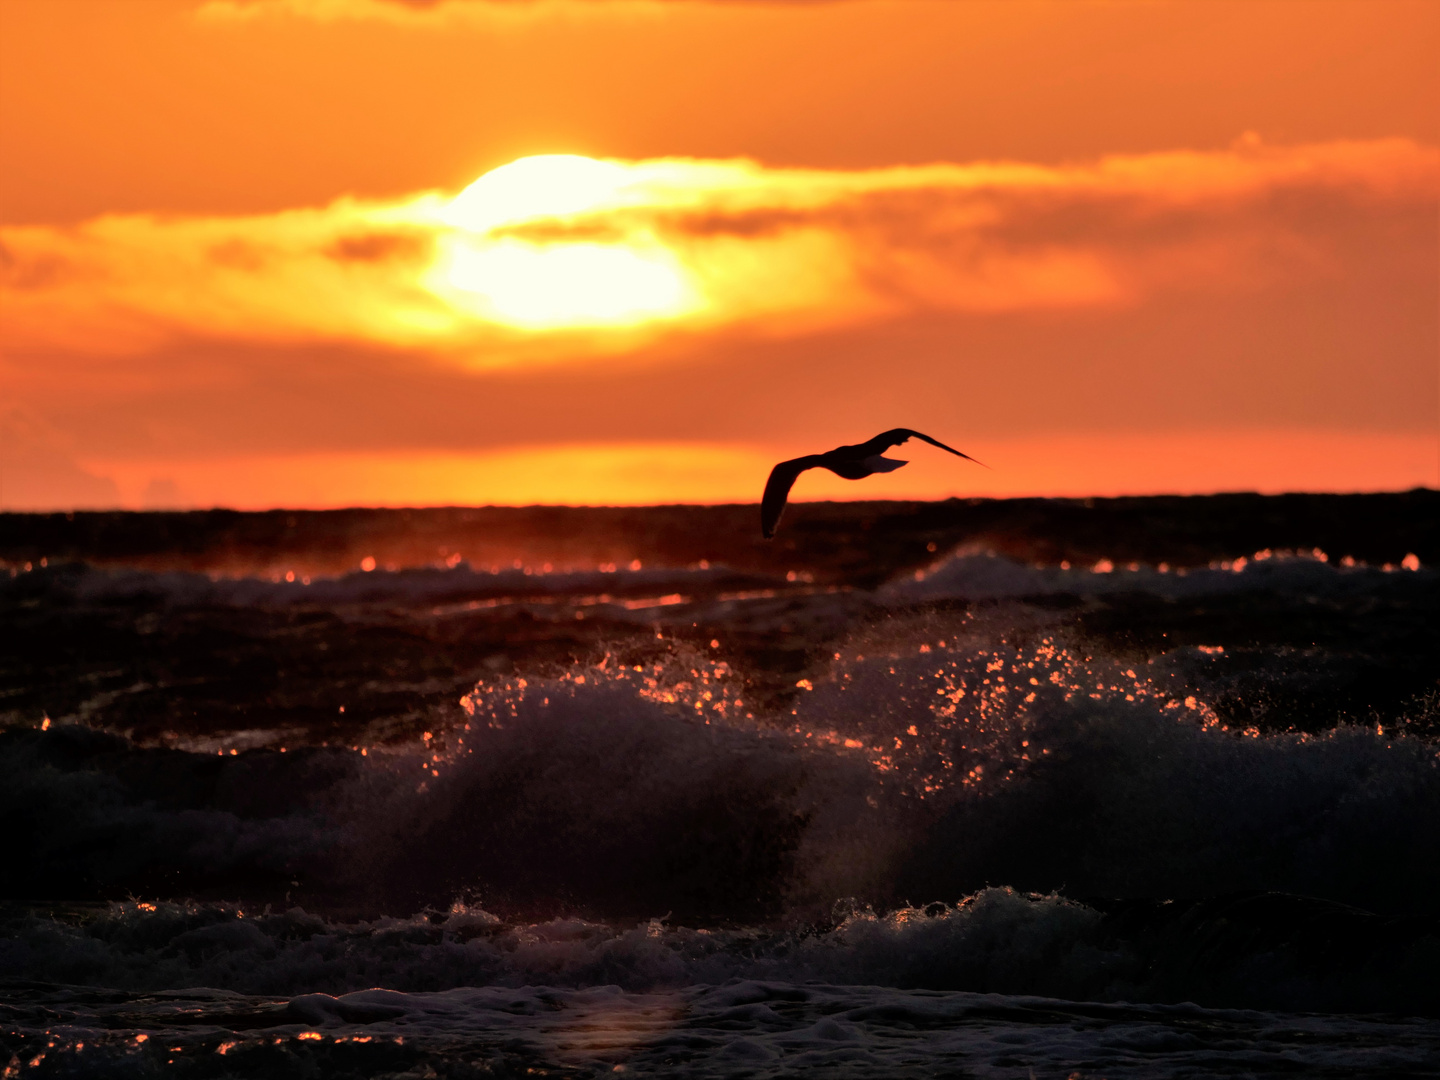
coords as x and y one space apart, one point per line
261 253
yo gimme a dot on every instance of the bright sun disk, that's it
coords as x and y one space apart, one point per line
538 285
547 185
552 286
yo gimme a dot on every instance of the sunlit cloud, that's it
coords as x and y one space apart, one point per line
562 257
440 14
451 13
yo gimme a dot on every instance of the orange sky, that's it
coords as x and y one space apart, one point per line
1105 247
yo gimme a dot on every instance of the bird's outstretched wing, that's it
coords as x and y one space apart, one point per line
895 436
777 490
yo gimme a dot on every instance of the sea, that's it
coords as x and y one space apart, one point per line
1101 788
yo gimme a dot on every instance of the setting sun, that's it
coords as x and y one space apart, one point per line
691 538
535 286
539 229
544 186
556 285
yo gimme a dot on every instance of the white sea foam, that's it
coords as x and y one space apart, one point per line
1261 951
763 1028
610 792
921 771
972 575
963 575
662 831
415 587
683 867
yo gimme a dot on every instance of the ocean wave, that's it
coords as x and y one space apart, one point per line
926 770
980 575
965 574
414 587
1270 951
746 1027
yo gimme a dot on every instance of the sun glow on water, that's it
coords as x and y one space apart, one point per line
543 285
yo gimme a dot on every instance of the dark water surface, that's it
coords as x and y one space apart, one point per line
1136 787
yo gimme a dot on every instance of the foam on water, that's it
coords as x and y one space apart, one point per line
979 575
1263 951
581 807
749 824
918 766
411 587
986 761
761 1028
966 574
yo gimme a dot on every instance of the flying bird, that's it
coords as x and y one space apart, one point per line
851 462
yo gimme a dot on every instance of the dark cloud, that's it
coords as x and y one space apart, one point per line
238 254
29 273
381 247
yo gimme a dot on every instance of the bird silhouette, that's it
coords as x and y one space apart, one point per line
851 462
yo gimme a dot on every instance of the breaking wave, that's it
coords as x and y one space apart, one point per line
919 767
